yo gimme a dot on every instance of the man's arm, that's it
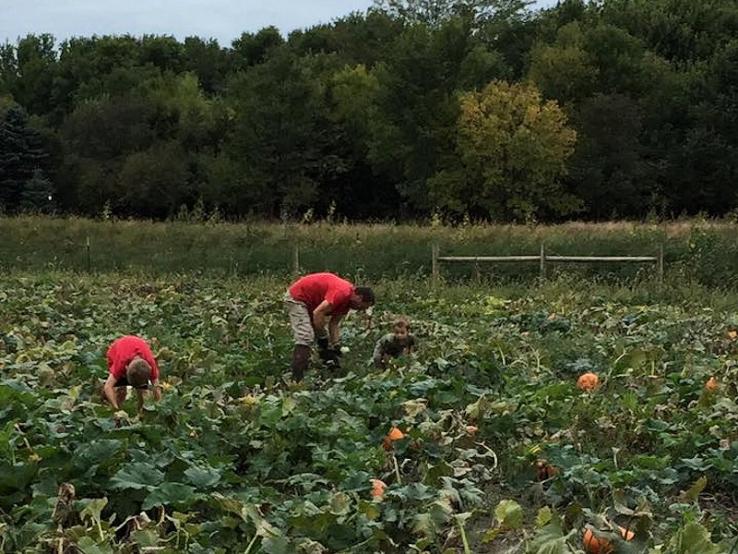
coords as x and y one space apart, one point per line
156 389
320 318
109 390
334 330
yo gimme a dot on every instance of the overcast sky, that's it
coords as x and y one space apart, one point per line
221 19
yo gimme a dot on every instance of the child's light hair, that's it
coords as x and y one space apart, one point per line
401 323
138 373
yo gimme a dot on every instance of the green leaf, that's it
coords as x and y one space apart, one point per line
509 514
97 451
544 517
693 492
276 545
167 494
202 477
550 540
137 475
89 546
145 538
693 538
93 508
340 503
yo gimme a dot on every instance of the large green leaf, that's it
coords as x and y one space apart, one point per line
202 477
97 451
89 546
691 539
550 540
137 475
509 514
169 494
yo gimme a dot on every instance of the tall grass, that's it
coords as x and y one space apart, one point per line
704 252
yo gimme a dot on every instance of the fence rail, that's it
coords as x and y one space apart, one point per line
543 259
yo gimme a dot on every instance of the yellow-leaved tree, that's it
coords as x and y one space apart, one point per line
511 153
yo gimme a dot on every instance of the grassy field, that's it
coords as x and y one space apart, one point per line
696 251
502 452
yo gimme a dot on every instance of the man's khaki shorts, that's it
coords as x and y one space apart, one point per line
302 325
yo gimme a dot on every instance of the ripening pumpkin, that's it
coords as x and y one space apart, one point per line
712 384
394 435
378 487
733 334
588 381
598 545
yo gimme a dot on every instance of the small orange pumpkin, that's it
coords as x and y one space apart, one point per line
378 488
395 434
712 384
588 381
598 545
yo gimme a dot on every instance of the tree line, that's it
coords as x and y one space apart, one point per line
464 108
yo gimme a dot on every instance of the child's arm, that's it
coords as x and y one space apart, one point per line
109 390
379 357
410 348
156 389
140 397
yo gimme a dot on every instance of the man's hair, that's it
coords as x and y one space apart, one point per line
367 294
401 323
138 373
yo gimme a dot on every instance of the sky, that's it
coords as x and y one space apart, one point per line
220 19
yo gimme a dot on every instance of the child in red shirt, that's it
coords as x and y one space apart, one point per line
130 363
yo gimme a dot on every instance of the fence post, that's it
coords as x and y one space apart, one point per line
434 264
87 251
296 260
660 269
543 261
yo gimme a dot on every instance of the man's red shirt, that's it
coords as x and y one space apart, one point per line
313 289
123 350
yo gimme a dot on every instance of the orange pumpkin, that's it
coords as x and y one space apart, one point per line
378 487
471 429
712 384
394 435
588 381
598 545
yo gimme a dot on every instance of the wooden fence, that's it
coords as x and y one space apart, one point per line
543 259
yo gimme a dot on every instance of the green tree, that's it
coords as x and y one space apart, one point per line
608 169
253 49
154 182
564 70
417 108
27 71
38 194
208 61
511 149
280 139
22 153
435 12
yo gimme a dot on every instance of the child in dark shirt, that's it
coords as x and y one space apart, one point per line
395 344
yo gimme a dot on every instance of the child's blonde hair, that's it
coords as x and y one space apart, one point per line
401 323
138 373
